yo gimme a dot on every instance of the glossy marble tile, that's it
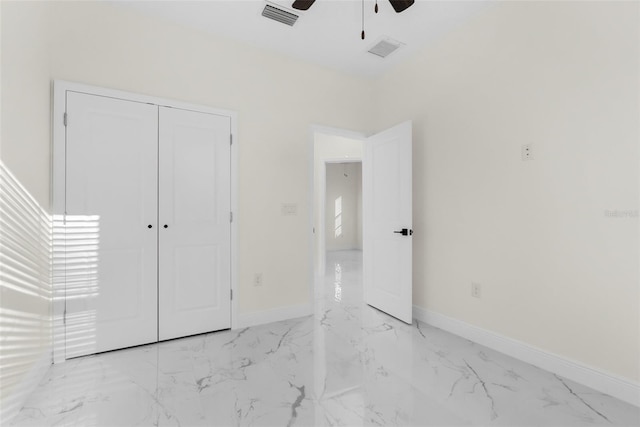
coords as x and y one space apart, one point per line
348 365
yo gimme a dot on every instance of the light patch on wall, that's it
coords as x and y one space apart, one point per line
43 260
25 288
338 217
76 254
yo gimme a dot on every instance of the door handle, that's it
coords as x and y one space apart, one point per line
405 232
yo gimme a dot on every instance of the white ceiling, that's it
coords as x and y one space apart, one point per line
328 33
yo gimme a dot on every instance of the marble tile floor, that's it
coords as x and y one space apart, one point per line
348 365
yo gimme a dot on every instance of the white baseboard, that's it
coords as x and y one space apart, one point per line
604 382
274 315
12 404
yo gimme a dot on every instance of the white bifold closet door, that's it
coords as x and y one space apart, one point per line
148 234
111 200
194 218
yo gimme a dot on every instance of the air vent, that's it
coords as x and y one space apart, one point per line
385 47
279 15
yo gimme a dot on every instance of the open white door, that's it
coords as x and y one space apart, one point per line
387 241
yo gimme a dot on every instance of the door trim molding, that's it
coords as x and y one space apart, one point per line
57 190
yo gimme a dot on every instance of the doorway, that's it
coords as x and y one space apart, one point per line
387 232
335 153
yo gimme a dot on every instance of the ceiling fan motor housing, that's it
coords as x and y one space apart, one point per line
398 5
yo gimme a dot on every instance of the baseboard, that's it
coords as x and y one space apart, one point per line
274 315
12 404
604 382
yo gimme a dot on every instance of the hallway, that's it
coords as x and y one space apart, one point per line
348 365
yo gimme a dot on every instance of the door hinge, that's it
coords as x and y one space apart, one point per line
230 216
230 139
232 294
64 119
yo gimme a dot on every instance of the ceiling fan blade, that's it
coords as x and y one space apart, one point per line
400 5
303 4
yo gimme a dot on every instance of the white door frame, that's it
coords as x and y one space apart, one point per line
58 166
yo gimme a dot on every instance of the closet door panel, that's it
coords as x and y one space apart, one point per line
111 199
194 204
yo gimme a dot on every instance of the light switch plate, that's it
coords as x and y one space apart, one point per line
289 209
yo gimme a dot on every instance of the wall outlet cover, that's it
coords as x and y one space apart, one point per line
257 279
476 290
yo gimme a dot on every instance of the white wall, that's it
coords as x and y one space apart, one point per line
327 147
556 271
25 86
343 181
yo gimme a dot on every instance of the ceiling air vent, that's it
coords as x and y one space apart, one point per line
279 15
385 47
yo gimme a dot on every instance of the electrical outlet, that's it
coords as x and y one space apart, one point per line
527 152
257 279
476 290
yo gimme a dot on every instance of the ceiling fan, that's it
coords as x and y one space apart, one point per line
398 5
